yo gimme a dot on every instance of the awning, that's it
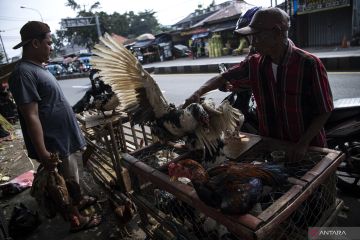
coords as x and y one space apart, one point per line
200 35
223 26
142 44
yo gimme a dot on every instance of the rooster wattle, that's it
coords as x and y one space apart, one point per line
233 188
140 97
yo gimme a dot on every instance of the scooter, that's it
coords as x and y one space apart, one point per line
342 132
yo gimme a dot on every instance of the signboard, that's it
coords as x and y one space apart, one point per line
77 22
308 6
195 31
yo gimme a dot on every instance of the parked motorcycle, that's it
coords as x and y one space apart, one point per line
342 132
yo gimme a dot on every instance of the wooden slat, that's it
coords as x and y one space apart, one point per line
296 181
264 231
240 225
280 203
320 167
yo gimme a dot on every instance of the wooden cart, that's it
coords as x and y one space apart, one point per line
308 200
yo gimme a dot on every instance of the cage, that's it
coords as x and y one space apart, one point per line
172 210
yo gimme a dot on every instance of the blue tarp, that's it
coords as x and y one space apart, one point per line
200 35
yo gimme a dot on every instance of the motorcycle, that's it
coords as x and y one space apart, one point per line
342 132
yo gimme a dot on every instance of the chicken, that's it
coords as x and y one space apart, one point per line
141 98
169 204
104 99
233 188
124 214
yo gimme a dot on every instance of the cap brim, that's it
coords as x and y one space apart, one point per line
21 44
246 31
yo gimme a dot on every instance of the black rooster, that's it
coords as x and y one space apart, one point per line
104 99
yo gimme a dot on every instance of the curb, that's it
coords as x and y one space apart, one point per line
72 76
331 64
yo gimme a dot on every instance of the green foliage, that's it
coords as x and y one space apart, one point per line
57 43
128 25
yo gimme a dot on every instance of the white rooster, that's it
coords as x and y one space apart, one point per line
141 98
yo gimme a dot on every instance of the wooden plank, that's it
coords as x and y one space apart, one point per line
320 167
235 147
296 181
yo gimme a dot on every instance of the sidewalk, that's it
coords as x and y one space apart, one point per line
334 59
13 162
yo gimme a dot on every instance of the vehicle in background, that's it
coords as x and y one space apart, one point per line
55 69
85 62
181 51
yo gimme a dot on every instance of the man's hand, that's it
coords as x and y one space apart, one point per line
195 97
297 152
228 86
49 160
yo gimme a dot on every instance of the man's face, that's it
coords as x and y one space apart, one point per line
44 48
264 41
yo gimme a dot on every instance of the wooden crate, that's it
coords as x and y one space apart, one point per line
303 188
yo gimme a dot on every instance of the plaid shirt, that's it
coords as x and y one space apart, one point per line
286 106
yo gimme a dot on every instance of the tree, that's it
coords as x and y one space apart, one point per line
143 22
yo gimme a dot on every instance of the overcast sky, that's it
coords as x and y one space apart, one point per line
12 17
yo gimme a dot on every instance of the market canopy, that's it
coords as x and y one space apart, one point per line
200 35
145 36
223 26
142 44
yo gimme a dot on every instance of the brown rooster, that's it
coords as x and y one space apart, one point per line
124 214
232 187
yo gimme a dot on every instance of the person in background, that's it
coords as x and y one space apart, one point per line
194 49
290 85
47 121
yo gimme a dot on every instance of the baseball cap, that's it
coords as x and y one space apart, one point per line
266 19
31 30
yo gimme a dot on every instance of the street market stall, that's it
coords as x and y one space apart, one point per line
130 163
308 199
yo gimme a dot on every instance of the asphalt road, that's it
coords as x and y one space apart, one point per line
177 87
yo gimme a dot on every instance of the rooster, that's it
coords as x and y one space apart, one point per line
140 97
104 99
233 188
124 214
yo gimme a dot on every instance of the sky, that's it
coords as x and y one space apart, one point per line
12 17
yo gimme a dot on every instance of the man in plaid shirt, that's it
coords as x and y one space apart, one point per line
290 85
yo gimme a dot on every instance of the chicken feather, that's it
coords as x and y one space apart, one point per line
141 97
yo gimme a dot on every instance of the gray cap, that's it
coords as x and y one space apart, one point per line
266 19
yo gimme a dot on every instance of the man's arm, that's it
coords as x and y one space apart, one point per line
300 148
212 84
35 131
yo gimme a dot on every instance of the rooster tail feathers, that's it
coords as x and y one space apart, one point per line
135 88
276 174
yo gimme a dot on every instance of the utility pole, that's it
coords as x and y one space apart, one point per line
97 25
2 44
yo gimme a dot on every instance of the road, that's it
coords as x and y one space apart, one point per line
177 87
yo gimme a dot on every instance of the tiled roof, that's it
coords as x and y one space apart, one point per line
233 10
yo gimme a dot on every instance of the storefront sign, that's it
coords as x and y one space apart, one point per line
195 31
77 22
308 6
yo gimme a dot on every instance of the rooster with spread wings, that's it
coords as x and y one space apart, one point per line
140 97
